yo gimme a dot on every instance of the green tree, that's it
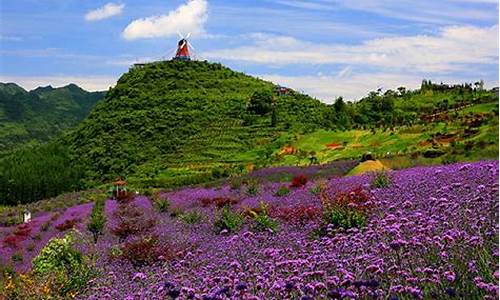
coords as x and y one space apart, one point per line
261 102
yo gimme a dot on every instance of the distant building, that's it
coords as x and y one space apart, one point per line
281 90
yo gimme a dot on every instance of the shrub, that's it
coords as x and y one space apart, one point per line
252 188
301 214
162 205
316 189
11 241
298 181
346 210
227 220
449 159
144 251
17 257
381 180
191 217
219 202
282 191
262 221
45 226
59 257
68 224
131 220
55 216
176 211
30 247
23 230
97 219
340 217
37 237
235 183
218 173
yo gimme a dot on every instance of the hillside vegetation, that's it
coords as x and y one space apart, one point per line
176 113
40 114
174 123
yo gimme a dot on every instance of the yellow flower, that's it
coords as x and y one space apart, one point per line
10 284
72 294
46 289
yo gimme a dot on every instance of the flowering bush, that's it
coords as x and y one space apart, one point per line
300 214
144 251
97 219
227 220
381 180
190 217
131 221
346 210
162 205
282 191
23 230
262 221
299 181
219 202
67 224
11 241
31 286
252 188
69 266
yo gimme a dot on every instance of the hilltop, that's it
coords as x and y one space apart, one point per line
173 113
40 114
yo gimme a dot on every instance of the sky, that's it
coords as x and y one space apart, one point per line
325 48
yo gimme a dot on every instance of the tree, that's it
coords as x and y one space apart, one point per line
274 116
261 102
339 105
402 90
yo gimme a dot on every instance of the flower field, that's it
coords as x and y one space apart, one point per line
421 233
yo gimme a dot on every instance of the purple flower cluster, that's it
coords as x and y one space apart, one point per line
335 168
431 234
40 230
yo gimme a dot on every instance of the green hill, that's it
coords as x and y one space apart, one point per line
40 114
170 114
174 123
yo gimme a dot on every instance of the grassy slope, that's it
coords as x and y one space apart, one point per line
403 140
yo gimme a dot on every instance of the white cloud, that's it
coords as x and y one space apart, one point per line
87 82
107 11
190 17
453 48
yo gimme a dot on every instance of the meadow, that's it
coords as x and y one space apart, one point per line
419 233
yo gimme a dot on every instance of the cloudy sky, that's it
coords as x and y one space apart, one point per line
326 48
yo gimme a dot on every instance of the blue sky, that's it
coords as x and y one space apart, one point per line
326 48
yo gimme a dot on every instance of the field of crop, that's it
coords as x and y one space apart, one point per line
404 140
419 233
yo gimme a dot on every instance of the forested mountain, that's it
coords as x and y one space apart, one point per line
40 114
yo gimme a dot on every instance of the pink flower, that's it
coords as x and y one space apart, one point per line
139 276
450 275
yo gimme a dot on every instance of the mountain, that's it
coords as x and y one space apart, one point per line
40 114
170 114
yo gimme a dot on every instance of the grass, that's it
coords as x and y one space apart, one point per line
402 141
